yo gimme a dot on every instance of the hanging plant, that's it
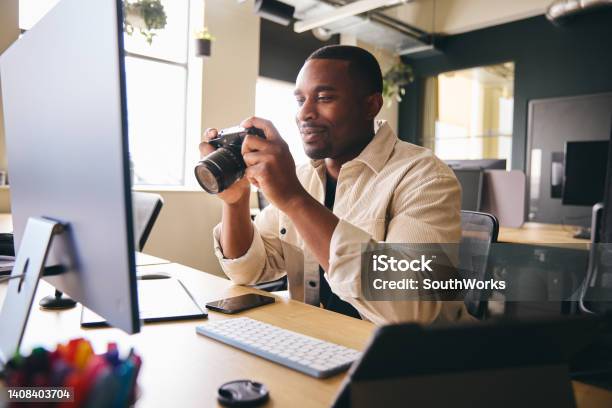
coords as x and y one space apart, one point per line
144 15
203 42
395 80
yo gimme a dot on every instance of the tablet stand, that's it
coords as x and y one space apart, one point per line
28 269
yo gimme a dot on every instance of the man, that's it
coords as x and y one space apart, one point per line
362 185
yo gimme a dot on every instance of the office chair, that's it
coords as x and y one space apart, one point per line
146 208
279 284
478 231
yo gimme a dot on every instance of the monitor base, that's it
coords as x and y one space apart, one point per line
57 302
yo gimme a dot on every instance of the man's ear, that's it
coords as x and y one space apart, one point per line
374 103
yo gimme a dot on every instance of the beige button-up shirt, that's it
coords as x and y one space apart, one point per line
394 192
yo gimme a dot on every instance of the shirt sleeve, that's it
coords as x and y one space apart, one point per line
427 214
263 261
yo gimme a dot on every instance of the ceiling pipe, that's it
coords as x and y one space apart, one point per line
348 10
389 22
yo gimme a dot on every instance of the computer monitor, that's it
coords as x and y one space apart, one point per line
606 225
63 89
471 188
598 294
485 164
585 172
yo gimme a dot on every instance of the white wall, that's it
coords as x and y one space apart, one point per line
183 231
230 75
9 32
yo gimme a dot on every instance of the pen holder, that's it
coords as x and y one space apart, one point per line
72 376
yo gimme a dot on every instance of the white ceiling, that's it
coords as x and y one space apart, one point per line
451 16
458 16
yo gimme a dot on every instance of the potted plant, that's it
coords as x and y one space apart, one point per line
394 81
144 15
203 42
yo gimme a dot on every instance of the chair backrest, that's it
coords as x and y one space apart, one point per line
478 231
146 208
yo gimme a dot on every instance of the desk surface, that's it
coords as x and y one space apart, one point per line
181 368
538 233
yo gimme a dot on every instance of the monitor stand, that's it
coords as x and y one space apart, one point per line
23 281
57 302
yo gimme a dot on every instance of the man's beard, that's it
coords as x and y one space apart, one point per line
317 153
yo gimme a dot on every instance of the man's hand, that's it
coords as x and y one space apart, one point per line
270 165
238 191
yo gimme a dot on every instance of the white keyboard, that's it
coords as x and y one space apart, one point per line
306 354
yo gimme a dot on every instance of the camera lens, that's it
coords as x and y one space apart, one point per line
219 170
207 178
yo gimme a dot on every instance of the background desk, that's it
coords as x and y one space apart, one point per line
181 368
537 233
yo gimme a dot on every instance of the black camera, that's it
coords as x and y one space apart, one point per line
223 167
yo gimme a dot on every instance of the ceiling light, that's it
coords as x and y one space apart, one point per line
321 34
274 10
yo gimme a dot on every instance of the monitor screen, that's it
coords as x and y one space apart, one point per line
485 164
606 228
471 188
585 172
65 116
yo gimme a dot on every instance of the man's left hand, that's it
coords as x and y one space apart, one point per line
270 165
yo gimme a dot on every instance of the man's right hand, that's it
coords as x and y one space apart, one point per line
238 191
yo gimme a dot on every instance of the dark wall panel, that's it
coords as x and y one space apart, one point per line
550 61
282 51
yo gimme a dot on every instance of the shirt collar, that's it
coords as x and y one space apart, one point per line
377 152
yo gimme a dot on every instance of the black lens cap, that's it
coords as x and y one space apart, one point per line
242 393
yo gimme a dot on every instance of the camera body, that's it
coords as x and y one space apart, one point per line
232 138
223 167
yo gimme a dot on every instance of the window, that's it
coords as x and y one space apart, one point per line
163 98
468 114
274 101
30 11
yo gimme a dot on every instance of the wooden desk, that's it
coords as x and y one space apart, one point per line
537 233
181 368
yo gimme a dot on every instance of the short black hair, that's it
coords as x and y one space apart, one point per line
363 66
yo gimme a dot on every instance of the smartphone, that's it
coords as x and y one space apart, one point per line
239 303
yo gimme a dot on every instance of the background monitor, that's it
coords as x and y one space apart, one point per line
63 88
585 172
597 296
471 188
606 226
485 164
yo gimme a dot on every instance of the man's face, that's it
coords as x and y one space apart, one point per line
332 113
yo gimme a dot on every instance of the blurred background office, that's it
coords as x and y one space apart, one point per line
514 100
